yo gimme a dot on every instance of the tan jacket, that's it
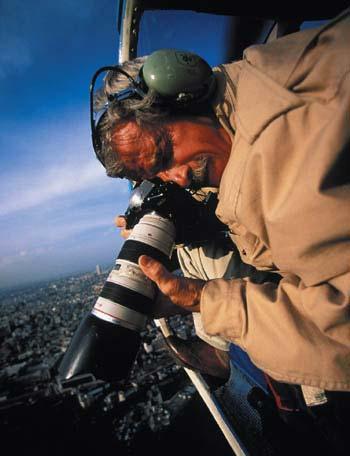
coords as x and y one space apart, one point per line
285 195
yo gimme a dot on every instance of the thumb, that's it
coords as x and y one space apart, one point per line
155 271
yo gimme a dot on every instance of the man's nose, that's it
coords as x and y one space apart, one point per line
180 175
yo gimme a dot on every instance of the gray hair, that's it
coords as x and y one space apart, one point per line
145 112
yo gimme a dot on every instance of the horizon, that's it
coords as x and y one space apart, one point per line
42 282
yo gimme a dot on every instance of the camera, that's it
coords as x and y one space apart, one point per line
160 215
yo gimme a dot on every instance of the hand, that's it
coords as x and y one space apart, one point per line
181 291
164 308
120 222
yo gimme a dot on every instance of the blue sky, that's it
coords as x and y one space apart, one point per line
56 203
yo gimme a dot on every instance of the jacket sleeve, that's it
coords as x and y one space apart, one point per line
283 328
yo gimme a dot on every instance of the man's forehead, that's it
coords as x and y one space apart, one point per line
136 148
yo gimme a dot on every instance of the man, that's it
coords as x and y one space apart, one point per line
276 144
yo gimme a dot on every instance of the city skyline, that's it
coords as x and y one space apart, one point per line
57 205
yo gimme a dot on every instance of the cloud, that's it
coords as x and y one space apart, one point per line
57 205
69 229
45 240
50 160
26 191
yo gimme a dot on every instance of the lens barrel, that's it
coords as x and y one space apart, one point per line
107 340
128 295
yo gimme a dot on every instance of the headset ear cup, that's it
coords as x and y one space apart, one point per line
178 77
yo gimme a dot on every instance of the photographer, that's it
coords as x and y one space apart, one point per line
275 141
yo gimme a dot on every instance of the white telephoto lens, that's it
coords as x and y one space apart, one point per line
128 295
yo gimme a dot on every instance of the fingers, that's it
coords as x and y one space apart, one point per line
180 290
120 222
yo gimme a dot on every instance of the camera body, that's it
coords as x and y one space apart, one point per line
195 221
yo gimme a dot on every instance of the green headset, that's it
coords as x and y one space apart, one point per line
179 79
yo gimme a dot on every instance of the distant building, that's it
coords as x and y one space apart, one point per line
98 269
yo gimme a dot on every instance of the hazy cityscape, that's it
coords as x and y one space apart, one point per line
41 413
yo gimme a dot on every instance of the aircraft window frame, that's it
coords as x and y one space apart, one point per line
216 39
